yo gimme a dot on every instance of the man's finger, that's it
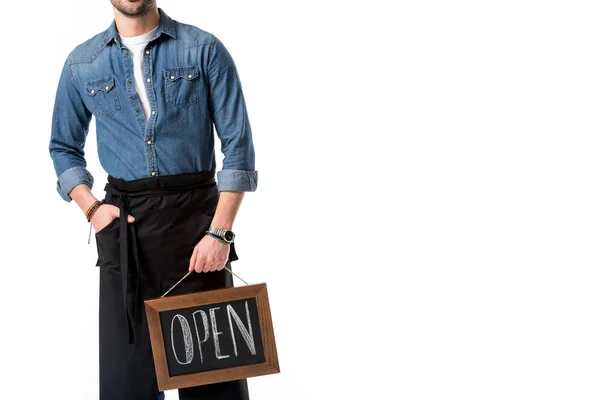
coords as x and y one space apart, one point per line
199 267
117 214
193 260
200 261
222 265
207 265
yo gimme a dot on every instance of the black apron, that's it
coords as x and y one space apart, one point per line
142 260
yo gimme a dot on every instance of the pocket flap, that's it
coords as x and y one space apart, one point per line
189 73
104 85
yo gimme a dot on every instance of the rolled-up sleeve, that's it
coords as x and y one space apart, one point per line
70 126
230 117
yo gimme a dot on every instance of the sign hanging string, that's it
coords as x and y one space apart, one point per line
189 273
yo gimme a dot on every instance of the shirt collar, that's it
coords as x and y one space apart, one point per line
165 25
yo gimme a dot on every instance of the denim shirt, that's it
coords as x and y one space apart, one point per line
192 83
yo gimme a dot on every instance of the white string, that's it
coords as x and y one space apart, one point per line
173 287
189 273
237 276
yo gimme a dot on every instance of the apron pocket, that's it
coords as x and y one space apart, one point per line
107 245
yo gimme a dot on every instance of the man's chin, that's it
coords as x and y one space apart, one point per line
133 8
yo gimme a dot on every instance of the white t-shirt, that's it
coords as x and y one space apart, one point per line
136 46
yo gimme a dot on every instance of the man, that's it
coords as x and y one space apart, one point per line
155 86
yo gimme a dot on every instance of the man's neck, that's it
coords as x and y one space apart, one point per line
128 26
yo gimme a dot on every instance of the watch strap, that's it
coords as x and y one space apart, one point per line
225 234
217 231
217 237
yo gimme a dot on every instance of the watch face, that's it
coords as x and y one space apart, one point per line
229 235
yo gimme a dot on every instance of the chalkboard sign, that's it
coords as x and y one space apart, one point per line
212 336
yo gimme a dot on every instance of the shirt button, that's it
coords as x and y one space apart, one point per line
147 51
137 110
190 76
126 53
106 88
153 173
153 112
148 80
93 91
172 78
149 141
129 81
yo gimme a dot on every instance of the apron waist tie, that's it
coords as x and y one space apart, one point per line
130 299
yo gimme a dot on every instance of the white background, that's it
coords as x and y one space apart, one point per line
429 169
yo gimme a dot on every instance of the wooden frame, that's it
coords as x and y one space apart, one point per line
155 306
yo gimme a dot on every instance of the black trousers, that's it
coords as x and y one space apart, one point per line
142 260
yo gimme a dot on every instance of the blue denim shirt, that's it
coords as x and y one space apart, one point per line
192 83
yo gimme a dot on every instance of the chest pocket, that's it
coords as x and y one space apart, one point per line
103 96
182 86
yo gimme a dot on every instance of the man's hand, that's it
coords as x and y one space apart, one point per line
209 255
104 216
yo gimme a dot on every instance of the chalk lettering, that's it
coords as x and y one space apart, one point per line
206 331
246 333
187 339
213 320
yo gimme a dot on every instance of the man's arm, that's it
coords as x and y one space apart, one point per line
227 209
238 175
70 125
229 114
228 111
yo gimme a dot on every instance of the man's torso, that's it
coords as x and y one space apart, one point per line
178 135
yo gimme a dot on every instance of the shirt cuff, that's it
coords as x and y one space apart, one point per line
72 177
237 180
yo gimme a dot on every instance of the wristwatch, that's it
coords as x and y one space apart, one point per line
226 235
